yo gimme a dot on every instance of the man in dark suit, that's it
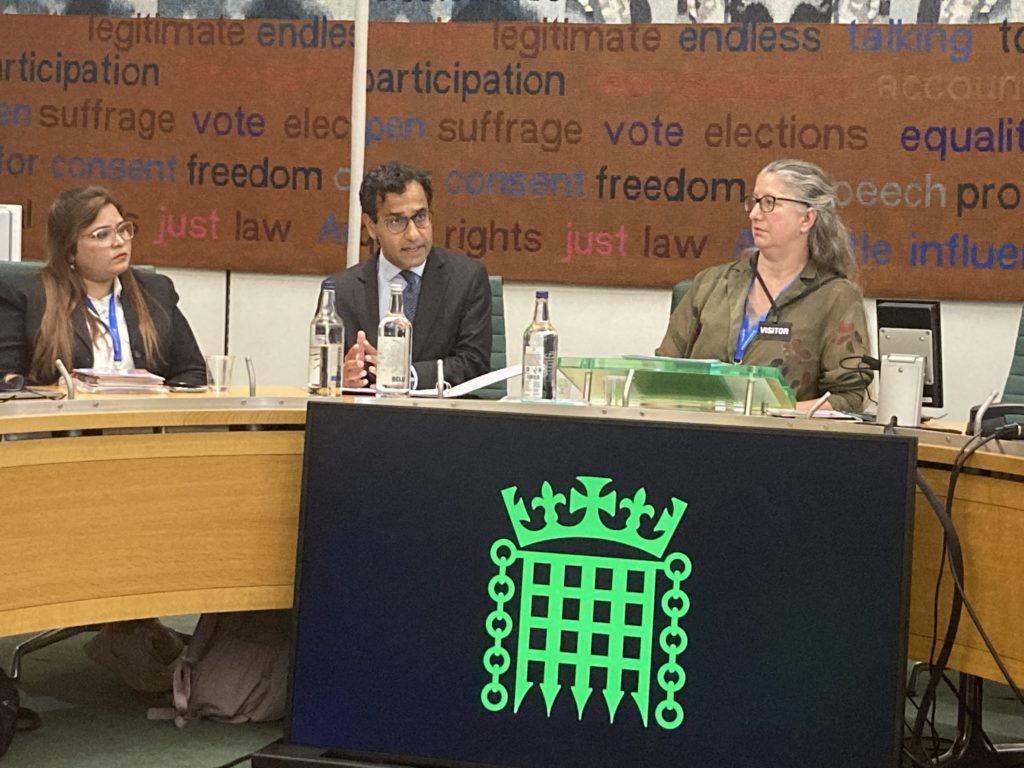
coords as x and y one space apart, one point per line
451 308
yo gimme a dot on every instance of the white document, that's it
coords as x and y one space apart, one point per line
468 387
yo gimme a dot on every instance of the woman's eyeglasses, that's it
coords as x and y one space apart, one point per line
767 202
105 235
396 224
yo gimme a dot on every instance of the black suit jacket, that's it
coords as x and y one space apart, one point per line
22 302
453 315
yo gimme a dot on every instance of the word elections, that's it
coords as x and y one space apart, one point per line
424 78
125 34
68 72
550 133
918 39
1006 136
530 40
749 37
785 133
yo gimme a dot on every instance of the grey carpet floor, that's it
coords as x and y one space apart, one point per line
93 720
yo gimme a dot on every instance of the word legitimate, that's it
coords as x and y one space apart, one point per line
529 40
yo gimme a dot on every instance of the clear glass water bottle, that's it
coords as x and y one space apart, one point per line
326 345
394 348
540 354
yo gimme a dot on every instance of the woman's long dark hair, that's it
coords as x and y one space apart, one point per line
70 215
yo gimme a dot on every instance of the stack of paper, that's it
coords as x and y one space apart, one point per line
118 382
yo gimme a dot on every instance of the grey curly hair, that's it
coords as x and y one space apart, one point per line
829 239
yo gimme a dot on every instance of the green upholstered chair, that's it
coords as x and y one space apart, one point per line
498 354
1013 392
8 268
678 291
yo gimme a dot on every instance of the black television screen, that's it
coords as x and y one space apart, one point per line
548 589
913 328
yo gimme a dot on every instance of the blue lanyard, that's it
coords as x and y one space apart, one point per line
747 330
115 334
747 333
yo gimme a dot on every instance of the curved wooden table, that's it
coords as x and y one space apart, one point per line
191 504
161 507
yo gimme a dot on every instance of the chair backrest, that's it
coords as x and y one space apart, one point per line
498 355
1013 392
678 291
11 268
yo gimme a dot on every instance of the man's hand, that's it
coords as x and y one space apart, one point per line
360 360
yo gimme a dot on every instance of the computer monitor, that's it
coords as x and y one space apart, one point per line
10 232
913 328
529 588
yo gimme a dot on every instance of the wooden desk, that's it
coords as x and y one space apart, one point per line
988 513
181 507
178 507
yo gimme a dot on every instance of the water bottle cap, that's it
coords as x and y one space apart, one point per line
542 294
328 282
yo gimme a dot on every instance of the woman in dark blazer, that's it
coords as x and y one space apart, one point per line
88 308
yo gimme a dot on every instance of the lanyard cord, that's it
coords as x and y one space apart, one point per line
111 324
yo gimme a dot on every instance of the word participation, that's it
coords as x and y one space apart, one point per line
919 39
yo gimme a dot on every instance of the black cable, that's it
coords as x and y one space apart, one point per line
954 555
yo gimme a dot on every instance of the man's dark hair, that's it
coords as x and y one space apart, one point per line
390 179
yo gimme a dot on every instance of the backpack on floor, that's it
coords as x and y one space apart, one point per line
13 716
235 669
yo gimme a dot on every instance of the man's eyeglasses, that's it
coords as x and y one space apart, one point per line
105 235
767 202
397 224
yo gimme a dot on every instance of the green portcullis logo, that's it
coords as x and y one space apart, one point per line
588 622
